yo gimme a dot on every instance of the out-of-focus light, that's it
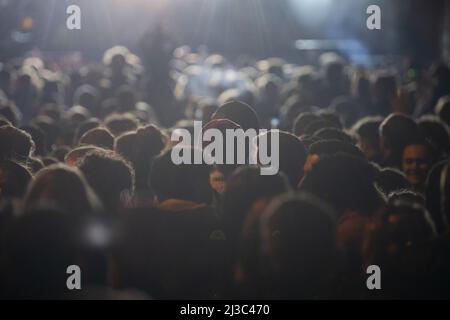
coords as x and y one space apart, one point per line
98 234
311 12
27 23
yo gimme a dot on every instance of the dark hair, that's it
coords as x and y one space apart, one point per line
315 126
121 123
433 195
437 132
61 187
14 179
83 127
397 130
99 137
346 182
299 253
334 134
15 144
238 112
442 109
244 186
109 175
302 121
185 181
292 156
389 180
331 147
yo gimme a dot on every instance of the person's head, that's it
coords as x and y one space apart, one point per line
442 109
389 180
84 127
317 125
238 112
188 182
384 89
9 111
72 157
334 134
367 133
38 137
346 183
15 144
302 121
121 123
110 176
417 158
291 153
50 128
322 148
346 109
433 196
140 147
408 196
99 137
244 188
298 244
63 188
14 179
437 132
396 131
397 243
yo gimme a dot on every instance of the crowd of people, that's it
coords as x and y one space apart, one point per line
87 179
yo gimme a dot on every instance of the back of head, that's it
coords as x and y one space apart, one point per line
100 137
14 179
298 234
61 187
238 112
73 156
121 123
292 155
395 132
302 121
85 127
434 197
334 134
109 175
184 181
398 243
443 109
367 131
15 144
345 182
331 147
389 180
437 132
245 186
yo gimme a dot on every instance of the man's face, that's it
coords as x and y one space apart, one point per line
416 163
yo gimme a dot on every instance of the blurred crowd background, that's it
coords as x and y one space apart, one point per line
86 176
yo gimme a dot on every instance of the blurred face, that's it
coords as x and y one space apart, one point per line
217 181
415 164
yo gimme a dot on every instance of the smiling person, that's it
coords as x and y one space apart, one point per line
417 158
